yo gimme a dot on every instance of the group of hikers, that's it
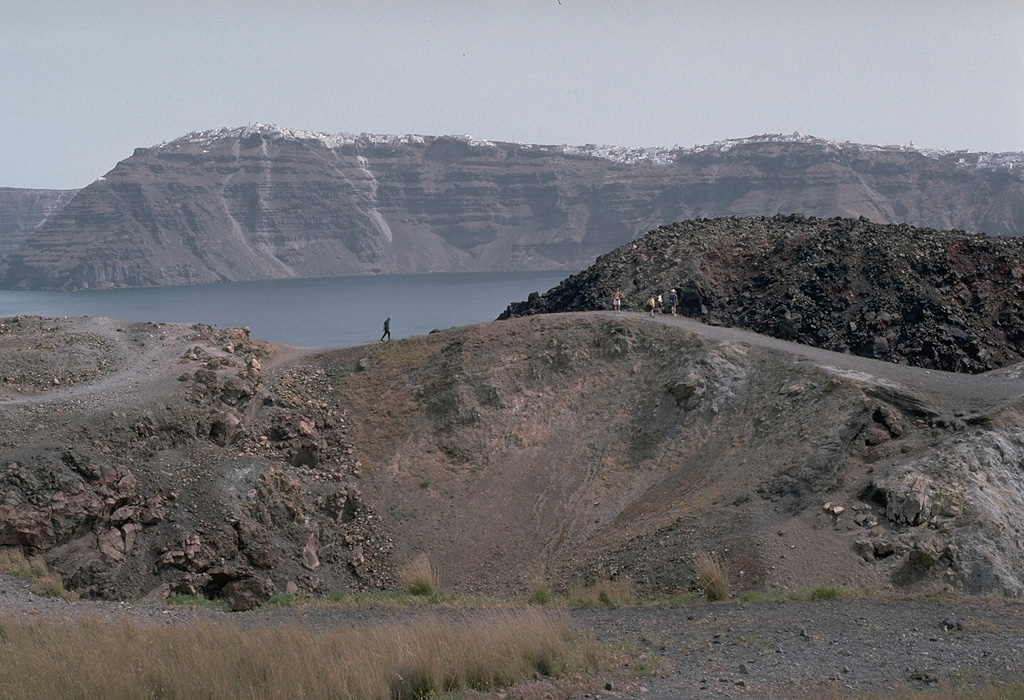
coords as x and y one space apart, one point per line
670 304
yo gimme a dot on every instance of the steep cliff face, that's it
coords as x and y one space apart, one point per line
262 202
21 210
885 185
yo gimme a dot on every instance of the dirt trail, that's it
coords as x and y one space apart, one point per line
148 353
945 391
140 355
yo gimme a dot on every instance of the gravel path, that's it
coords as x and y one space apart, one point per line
963 393
809 649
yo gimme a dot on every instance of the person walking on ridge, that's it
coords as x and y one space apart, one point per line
651 303
387 330
617 300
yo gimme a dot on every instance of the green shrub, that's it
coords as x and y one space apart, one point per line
829 593
197 602
540 594
761 597
287 600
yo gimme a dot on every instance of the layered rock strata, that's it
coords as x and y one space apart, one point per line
263 202
22 210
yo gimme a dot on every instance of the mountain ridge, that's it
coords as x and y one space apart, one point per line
989 160
262 202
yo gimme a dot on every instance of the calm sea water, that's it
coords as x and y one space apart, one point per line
307 312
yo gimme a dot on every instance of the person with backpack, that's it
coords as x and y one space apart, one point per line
387 330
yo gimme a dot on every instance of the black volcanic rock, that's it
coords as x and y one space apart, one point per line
262 202
945 300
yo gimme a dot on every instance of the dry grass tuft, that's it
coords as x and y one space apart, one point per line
428 657
611 593
709 576
418 577
41 581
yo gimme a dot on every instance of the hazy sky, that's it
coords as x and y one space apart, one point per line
84 83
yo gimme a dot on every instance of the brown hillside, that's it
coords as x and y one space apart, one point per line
574 447
145 459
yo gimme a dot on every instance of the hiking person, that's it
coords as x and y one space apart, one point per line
387 330
673 301
617 300
651 303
